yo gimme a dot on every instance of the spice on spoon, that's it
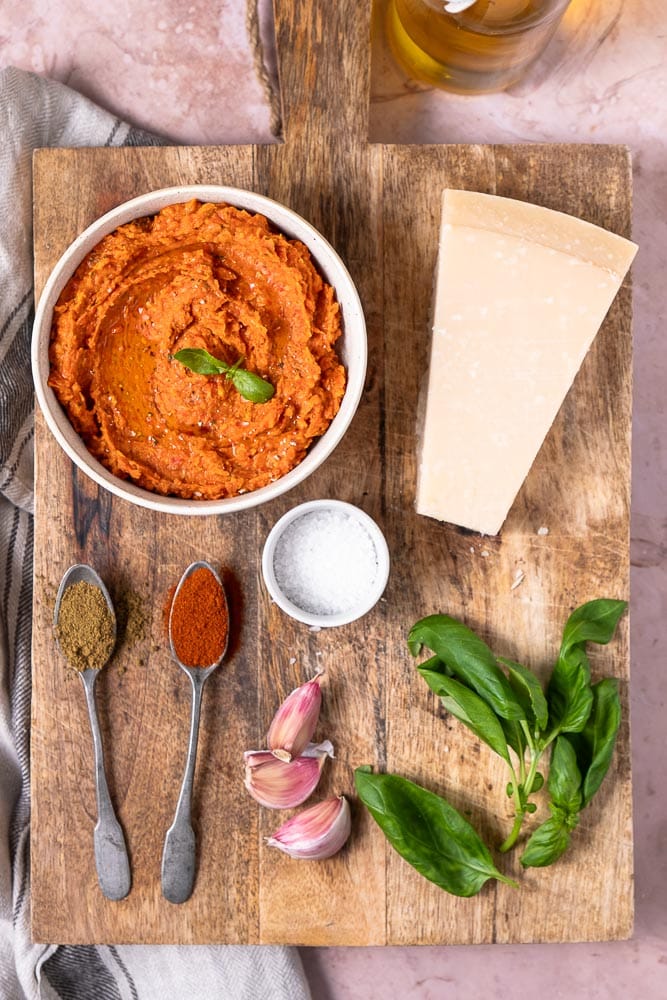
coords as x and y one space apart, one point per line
85 627
198 632
199 620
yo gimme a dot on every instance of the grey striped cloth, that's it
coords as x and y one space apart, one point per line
35 112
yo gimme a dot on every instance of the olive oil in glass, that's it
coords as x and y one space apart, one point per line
483 48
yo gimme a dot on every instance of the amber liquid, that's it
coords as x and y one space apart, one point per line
480 50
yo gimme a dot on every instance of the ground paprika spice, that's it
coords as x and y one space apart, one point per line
199 620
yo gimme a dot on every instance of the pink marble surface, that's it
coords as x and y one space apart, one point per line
182 68
602 79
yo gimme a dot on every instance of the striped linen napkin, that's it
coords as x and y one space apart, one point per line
35 112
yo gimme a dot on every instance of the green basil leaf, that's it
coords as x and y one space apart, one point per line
469 658
435 664
569 693
594 746
251 386
200 361
546 844
595 621
514 735
428 833
564 781
538 781
468 708
529 692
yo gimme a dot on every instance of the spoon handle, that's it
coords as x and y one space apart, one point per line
111 860
178 856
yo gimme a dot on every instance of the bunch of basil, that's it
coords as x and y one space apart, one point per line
503 703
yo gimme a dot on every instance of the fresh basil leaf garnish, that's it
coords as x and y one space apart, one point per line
249 385
435 664
546 843
594 745
468 708
200 361
469 658
428 833
538 781
564 781
507 711
569 692
528 691
594 621
514 735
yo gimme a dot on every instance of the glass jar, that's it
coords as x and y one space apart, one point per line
470 46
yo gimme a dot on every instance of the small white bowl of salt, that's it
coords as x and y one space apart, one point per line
325 563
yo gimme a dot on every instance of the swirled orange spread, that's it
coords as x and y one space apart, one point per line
197 276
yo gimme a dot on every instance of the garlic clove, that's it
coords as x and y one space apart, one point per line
279 784
316 833
295 721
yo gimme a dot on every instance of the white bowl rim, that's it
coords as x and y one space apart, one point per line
307 617
289 223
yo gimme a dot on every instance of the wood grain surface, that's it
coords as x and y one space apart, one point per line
379 206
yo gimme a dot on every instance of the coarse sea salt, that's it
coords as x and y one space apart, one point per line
325 562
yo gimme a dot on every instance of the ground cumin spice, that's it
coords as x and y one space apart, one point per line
199 620
131 617
85 627
132 623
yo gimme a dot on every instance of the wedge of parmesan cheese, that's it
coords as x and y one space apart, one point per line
521 292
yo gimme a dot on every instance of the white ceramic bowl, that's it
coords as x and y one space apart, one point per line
350 519
351 347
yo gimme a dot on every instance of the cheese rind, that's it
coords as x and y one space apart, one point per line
521 292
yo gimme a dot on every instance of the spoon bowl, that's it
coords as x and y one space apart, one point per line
192 568
111 858
81 573
178 856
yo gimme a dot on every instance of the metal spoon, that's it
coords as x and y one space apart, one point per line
178 856
111 860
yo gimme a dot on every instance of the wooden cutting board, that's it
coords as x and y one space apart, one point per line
379 206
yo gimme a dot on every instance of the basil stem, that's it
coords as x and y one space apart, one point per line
249 385
551 839
428 833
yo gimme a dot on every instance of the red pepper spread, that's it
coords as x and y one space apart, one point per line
197 276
